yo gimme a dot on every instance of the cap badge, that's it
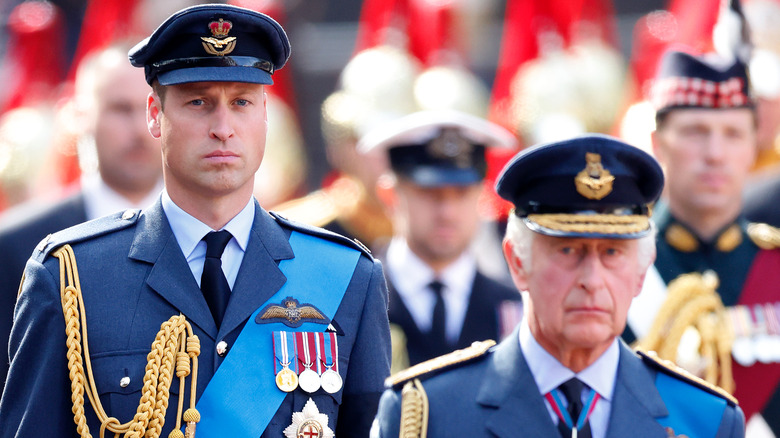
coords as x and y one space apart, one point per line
594 181
309 423
450 145
220 43
291 313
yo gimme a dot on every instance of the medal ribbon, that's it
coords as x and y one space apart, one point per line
283 345
330 350
554 398
304 356
290 347
318 350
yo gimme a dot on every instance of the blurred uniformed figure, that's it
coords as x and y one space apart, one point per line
375 86
706 139
578 245
120 161
439 299
262 326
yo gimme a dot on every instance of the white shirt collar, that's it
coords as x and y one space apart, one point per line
101 200
549 373
411 276
189 231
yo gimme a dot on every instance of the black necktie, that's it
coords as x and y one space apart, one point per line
439 318
572 390
213 283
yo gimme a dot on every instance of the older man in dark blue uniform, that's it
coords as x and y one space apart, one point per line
578 246
275 328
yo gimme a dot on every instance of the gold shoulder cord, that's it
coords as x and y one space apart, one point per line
175 342
414 411
692 303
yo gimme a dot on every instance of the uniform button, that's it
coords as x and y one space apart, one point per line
222 348
124 382
128 214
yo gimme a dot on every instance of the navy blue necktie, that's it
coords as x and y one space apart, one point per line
439 318
572 390
213 283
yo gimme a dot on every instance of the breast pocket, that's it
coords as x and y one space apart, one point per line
119 378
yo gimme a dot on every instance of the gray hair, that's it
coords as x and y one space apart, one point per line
522 237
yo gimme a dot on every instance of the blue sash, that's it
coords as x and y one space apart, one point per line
242 396
692 411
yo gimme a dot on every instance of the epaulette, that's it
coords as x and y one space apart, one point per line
668 367
764 236
321 232
441 363
316 208
86 231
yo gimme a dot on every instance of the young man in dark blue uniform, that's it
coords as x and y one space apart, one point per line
291 322
706 138
439 299
578 245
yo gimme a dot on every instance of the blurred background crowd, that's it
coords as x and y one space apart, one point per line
543 69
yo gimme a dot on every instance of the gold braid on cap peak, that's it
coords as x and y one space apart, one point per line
592 223
693 307
175 349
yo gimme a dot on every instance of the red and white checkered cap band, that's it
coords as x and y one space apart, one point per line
697 92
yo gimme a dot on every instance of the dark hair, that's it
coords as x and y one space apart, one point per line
160 91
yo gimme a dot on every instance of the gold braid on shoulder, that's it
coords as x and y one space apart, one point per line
693 307
174 345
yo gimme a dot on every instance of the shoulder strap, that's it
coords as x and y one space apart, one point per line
476 350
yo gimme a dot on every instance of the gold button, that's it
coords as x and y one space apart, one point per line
222 348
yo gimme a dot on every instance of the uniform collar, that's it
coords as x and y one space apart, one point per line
410 274
189 231
549 373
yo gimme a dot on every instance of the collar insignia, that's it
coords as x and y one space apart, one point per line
594 181
451 145
309 423
220 43
291 313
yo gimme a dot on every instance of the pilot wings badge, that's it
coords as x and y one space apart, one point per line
291 313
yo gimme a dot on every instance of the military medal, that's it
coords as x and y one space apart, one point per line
309 380
286 378
763 339
741 348
309 423
330 379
